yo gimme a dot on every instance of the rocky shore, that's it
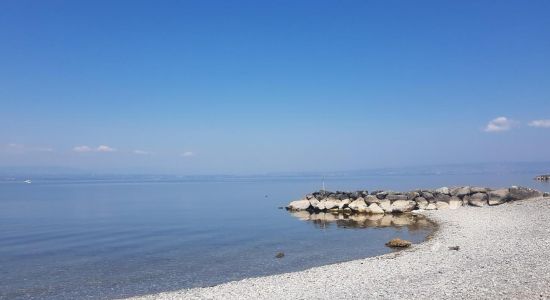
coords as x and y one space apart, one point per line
499 252
387 202
543 177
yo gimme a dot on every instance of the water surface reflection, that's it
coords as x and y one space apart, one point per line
341 220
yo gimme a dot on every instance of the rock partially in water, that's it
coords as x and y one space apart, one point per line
299 205
402 206
398 243
280 255
358 205
375 209
386 206
403 202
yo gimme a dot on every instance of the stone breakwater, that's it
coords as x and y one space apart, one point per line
543 178
386 202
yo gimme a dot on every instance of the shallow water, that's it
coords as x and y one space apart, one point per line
64 239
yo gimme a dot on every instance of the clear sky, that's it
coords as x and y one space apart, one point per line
198 87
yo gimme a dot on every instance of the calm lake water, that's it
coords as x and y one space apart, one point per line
62 239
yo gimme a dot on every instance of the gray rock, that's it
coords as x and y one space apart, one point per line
442 198
478 199
428 195
412 195
498 197
369 199
402 206
461 191
521 193
381 195
299 205
421 202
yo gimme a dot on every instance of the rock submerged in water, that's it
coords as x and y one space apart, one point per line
386 202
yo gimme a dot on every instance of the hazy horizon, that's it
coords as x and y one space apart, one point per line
248 87
534 168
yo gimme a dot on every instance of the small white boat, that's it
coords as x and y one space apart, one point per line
27 181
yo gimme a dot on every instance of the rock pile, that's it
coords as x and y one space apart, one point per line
543 177
384 202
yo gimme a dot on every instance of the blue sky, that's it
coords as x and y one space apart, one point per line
199 87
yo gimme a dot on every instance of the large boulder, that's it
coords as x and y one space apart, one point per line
478 199
442 197
314 203
461 191
358 205
386 206
402 206
344 203
441 205
499 196
428 196
521 193
299 205
375 209
412 195
331 203
455 202
421 202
